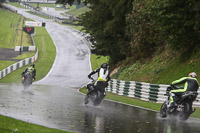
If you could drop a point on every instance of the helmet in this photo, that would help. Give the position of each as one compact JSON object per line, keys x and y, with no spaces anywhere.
{"x":104,"y":65}
{"x":32,"y":65}
{"x":192,"y":74}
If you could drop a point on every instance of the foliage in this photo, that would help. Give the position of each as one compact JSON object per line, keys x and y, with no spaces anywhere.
{"x":10,"y":125}
{"x":141,"y":29}
{"x":98,"y":61}
{"x":156,"y":23}
{"x":178,"y":21}
{"x":106,"y":24}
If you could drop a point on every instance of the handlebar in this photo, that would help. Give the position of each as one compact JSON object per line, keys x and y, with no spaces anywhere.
{"x":92,"y":79}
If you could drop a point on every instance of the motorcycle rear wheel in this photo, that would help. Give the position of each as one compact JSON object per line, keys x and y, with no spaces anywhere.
{"x":185,"y":114}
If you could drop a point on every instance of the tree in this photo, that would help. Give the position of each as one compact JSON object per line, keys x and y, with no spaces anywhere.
{"x":179,"y":22}
{"x":156,"y":23}
{"x":106,"y":23}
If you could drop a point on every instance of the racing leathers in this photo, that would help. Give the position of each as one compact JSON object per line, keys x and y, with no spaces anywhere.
{"x":102,"y":80}
{"x":190,"y":84}
{"x":31,"y":70}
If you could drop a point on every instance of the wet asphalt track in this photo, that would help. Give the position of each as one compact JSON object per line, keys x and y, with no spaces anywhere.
{"x":63,"y":108}
{"x":54,"y":101}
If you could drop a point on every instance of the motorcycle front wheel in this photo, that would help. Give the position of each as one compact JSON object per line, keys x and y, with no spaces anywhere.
{"x":163,"y":110}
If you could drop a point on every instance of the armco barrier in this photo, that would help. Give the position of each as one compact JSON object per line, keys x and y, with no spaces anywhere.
{"x":141,"y":90}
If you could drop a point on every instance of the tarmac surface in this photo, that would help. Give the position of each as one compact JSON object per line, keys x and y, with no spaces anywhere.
{"x":54,"y":101}
{"x":8,"y":54}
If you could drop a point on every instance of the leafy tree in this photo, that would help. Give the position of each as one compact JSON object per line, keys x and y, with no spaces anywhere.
{"x":106,"y":23}
{"x":156,"y":23}
{"x":145,"y":38}
{"x":179,"y":22}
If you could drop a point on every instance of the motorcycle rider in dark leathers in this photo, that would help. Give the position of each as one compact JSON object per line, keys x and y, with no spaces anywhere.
{"x":103,"y":75}
{"x":30,"y":69}
{"x":190,"y":84}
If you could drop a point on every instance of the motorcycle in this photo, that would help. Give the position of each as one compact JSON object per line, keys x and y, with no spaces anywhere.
{"x":95,"y":93}
{"x":184,"y":104}
{"x":27,"y":80}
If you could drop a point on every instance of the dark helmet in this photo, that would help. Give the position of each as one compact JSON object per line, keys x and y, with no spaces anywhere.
{"x":32,"y":65}
{"x":192,"y":74}
{"x":104,"y":65}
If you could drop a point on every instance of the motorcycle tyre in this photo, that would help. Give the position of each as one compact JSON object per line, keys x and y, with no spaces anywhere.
{"x":183,"y":116}
{"x":163,"y":110}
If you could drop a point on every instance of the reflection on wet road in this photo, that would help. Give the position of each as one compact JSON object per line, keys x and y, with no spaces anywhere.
{"x":63,"y":108}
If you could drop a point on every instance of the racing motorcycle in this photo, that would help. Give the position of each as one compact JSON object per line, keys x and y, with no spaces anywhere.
{"x":95,"y":93}
{"x":27,"y":80}
{"x":184,"y":104}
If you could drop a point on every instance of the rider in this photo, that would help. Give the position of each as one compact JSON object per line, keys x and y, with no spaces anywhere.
{"x":30,"y":69}
{"x":190,"y":84}
{"x":103,"y":75}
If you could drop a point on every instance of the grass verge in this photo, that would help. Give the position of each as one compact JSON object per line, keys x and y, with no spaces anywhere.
{"x":16,"y":4}
{"x":47,"y":53}
{"x":38,"y":15}
{"x":137,"y":102}
{"x":128,"y":100}
{"x":10,"y":125}
{"x":11,"y":37}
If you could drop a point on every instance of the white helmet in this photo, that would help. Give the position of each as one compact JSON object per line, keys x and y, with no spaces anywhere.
{"x":192,"y":74}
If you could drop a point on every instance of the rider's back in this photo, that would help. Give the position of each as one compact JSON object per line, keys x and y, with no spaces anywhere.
{"x":192,"y":84}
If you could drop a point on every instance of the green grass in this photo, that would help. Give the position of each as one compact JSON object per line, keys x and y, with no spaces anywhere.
{"x":16,"y":4}
{"x":25,"y":55}
{"x":137,"y":102}
{"x":43,"y":5}
{"x":8,"y":27}
{"x":4,"y":64}
{"x":52,"y":6}
{"x":47,"y":53}
{"x":127,"y":73}
{"x":10,"y":125}
{"x":98,"y":60}
{"x":78,"y":12}
{"x":38,"y":15}
{"x":162,"y":69}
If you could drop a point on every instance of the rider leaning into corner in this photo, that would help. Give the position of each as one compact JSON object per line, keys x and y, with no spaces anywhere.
{"x":190,"y":84}
{"x":30,"y":69}
{"x":103,"y":75}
